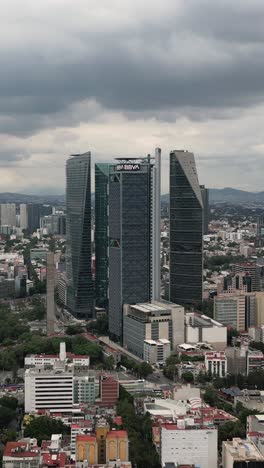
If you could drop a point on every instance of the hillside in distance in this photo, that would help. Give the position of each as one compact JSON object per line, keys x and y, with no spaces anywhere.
{"x":9,"y":197}
{"x":229,"y":195}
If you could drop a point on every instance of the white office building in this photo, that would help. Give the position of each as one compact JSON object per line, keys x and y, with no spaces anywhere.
{"x":50,"y":390}
{"x":158,"y":320}
{"x":23,"y":216}
{"x":156,"y":351}
{"x":8,"y":214}
{"x":185,"y":443}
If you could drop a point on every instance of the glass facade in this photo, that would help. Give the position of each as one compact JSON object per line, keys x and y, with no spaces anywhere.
{"x":80,"y":297}
{"x":101,"y":234}
{"x":186,"y":230}
{"x":130,"y":237}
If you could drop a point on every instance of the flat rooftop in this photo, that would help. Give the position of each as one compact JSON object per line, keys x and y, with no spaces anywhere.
{"x":242,"y":450}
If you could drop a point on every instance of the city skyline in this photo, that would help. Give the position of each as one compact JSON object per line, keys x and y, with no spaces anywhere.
{"x":167,"y":74}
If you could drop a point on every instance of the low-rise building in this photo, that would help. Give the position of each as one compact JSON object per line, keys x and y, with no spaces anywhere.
{"x":200,"y":328}
{"x":216,"y":363}
{"x":156,"y":351}
{"x":24,"y":453}
{"x":184,"y":442}
{"x":238,"y":452}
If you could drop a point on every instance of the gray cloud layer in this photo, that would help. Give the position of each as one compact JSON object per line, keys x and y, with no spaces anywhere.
{"x":169,"y":55}
{"x":65,"y":63}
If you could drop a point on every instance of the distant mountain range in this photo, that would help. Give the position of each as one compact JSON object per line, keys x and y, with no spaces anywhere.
{"x":8,"y":197}
{"x":229,"y":195}
{"x":225,"y":195}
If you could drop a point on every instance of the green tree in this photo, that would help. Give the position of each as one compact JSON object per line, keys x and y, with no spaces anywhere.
{"x":9,"y":402}
{"x":43,"y":427}
{"x":74,"y":329}
{"x":187,"y":377}
{"x":144,"y":370}
{"x":6,"y":416}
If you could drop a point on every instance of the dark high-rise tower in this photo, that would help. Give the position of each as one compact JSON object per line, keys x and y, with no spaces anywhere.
{"x":33,"y":216}
{"x":80,"y":295}
{"x":205,"y":197}
{"x":132,"y":203}
{"x":101,"y":233}
{"x":186,"y":230}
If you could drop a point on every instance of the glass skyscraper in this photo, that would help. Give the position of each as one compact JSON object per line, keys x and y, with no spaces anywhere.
{"x":186,"y":230}
{"x":80,"y":293}
{"x":131,"y":185}
{"x":101,"y":233}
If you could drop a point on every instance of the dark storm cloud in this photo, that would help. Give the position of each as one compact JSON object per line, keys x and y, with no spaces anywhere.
{"x":196,"y":54}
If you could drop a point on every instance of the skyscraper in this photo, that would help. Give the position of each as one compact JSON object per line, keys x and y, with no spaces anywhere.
{"x":50,"y":293}
{"x":80,"y":296}
{"x":33,"y":216}
{"x":102,"y":172}
{"x":132,"y":203}
{"x":8,"y":214}
{"x":186,"y":230}
{"x":205,"y":197}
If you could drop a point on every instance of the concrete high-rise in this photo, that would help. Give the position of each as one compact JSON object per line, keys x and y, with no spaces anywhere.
{"x":23,"y":216}
{"x":134,"y":264}
{"x":186,"y":230}
{"x":80,"y":295}
{"x":8,"y":214}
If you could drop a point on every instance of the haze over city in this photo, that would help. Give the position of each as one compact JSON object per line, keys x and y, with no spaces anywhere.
{"x":119,"y":78}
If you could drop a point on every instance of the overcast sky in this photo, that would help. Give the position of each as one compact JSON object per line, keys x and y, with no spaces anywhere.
{"x":119,"y":77}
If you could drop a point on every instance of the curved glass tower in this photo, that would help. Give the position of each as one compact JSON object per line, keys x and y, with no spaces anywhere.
{"x":80,"y":294}
{"x":186,"y":230}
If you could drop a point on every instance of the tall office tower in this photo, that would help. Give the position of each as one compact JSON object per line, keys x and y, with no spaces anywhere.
{"x":80,"y":295}
{"x":131,"y":236}
{"x":8,"y":214}
{"x":33,"y":213}
{"x":23,"y":216}
{"x":186,"y":230}
{"x":50,"y":293}
{"x":102,"y":172}
{"x":156,"y":226}
{"x":205,"y":197}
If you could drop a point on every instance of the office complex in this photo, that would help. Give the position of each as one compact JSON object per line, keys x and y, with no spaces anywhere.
{"x":133,"y":228}
{"x":23,"y":216}
{"x":102,"y":172}
{"x":186,"y":230}
{"x":33,"y":216}
{"x":50,"y":390}
{"x":8,"y":214}
{"x":240,"y":309}
{"x":152,"y":321}
{"x":80,"y":295}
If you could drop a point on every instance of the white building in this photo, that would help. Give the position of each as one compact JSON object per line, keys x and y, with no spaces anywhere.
{"x":152,"y":321}
{"x":50,"y":390}
{"x":156,"y":351}
{"x":240,"y":452}
{"x":216,"y":363}
{"x":42,"y":360}
{"x":8,"y":214}
{"x":23,"y":216}
{"x":184,"y":443}
{"x":204,"y":329}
